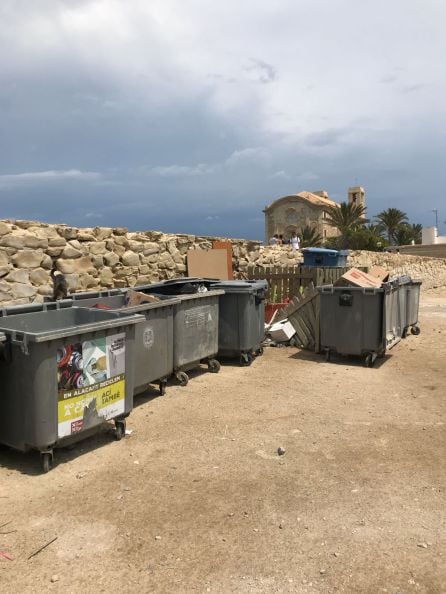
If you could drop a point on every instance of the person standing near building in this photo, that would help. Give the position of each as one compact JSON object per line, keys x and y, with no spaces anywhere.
{"x":274,"y":239}
{"x":294,"y":241}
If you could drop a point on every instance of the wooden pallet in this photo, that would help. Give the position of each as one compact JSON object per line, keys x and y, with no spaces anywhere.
{"x":303,"y":313}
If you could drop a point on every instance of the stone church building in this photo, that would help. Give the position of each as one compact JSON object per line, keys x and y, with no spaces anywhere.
{"x":296,"y":211}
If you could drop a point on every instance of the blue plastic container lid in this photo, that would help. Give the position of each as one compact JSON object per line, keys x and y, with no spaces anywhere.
{"x":326,"y":251}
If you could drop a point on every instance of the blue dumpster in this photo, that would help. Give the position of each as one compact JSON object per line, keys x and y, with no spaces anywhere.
{"x":325,"y":257}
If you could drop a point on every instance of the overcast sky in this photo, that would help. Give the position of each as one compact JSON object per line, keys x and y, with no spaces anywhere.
{"x":191,"y":116}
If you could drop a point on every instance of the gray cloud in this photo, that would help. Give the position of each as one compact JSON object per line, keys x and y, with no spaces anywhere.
{"x":111,"y":111}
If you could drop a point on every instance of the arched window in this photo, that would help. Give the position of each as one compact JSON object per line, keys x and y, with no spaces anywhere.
{"x":291,"y":216}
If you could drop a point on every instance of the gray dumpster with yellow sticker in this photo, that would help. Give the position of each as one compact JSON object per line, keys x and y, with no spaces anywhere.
{"x":64,"y":373}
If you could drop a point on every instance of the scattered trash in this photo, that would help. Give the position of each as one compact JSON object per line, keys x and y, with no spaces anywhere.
{"x":422,"y":545}
{"x":129,"y":431}
{"x":282,"y":331}
{"x":54,"y":578}
{"x":281,"y":451}
{"x":157,"y":537}
{"x":42,"y":548}
{"x":6,"y":555}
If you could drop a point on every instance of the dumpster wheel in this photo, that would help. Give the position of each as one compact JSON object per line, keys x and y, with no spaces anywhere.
{"x":182,"y":377}
{"x":214,"y":365}
{"x":259,"y":352}
{"x":162,"y":387}
{"x":47,"y":461}
{"x":415,"y":330}
{"x":119,"y":429}
{"x":370,"y":359}
{"x":246,"y":359}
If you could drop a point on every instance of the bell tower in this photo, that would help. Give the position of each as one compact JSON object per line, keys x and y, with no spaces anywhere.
{"x":356,"y":195}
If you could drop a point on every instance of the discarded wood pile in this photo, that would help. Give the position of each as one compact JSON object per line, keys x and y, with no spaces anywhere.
{"x":303,"y":313}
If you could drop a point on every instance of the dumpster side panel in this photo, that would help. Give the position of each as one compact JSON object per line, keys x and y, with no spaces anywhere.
{"x":195,"y":330}
{"x":351,"y":321}
{"x":154,"y":347}
{"x":413,"y":303}
{"x":28,"y":406}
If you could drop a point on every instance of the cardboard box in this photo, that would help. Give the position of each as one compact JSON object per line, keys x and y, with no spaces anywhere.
{"x":282,"y":331}
{"x":138,"y":298}
{"x":357,"y":278}
{"x":379,"y":272}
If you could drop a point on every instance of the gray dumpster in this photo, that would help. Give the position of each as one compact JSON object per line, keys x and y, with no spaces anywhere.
{"x":63,"y":373}
{"x":359,"y":321}
{"x":195,"y":329}
{"x":153,"y":338}
{"x":241,"y":327}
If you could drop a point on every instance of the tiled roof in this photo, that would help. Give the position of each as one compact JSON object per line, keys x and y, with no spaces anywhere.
{"x":308,"y":196}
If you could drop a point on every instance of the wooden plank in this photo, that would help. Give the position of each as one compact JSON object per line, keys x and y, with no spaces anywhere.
{"x":225,"y":245}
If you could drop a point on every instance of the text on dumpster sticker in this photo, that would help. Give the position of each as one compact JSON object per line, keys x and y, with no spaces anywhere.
{"x":198,"y":318}
{"x":91,"y":383}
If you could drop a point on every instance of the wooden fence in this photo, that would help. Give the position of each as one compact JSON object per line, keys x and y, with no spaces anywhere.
{"x":285,"y":282}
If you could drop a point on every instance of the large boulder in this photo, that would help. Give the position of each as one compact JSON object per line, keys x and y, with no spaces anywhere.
{"x":79,"y":265}
{"x":28,"y":258}
{"x":130,"y":259}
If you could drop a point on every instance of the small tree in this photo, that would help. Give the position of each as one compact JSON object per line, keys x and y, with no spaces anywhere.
{"x":310,"y":237}
{"x":390,"y":220}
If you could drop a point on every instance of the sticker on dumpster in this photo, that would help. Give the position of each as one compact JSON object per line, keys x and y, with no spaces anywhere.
{"x":148,"y":338}
{"x":91,"y":383}
{"x":198,"y":318}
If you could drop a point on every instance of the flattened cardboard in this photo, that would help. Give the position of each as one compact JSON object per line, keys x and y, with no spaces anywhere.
{"x":358,"y":278}
{"x":379,"y":272}
{"x":225,"y":245}
{"x":137,"y":298}
{"x":208,"y":264}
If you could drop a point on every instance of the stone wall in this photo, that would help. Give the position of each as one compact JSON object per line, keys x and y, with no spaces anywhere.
{"x":101,"y":258}
{"x":94,"y":258}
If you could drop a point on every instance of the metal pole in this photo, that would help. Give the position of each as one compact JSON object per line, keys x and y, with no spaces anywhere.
{"x":435,"y":210}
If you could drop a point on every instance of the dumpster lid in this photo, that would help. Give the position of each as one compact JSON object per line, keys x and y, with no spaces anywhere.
{"x":238,"y":286}
{"x":142,"y":307}
{"x":54,"y":324}
{"x":13,"y":310}
{"x":326,"y":251}
{"x":205,"y":294}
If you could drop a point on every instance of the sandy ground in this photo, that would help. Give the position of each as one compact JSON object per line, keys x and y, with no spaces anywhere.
{"x":197,"y":499}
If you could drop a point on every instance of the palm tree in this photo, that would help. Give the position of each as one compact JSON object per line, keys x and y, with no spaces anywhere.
{"x":346,"y":217}
{"x":390,"y":220}
{"x":417,"y":231}
{"x":406,"y":233}
{"x":310,"y":237}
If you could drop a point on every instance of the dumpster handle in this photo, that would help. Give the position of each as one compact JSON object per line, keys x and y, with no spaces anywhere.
{"x":23,"y":342}
{"x":327,"y":289}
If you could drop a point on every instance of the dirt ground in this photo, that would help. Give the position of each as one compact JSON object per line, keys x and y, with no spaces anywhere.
{"x":197,"y":498}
